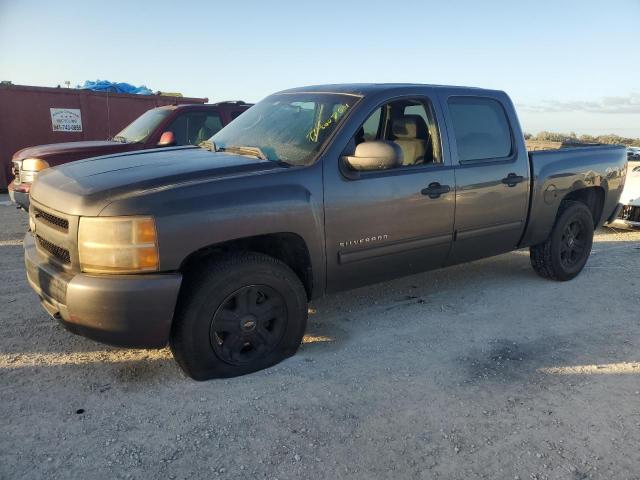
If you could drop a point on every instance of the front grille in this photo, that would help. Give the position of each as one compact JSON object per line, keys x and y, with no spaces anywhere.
{"x":630,"y":213}
{"x":51,"y":220}
{"x":62,"y":254}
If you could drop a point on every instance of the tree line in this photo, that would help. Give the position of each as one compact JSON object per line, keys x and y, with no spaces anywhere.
{"x":573,"y":138}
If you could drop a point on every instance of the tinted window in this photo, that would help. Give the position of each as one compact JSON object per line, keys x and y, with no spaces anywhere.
{"x":179,"y":129}
{"x":212,"y":125}
{"x":193,"y":128}
{"x":481,"y":128}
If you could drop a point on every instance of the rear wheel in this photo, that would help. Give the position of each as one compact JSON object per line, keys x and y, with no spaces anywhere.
{"x":564,"y":254}
{"x":238,"y":315}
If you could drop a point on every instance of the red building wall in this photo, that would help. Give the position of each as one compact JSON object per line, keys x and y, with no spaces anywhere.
{"x":25,"y":118}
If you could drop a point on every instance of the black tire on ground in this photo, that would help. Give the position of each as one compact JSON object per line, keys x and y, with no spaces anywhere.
{"x":236,"y":315}
{"x":564,"y":254}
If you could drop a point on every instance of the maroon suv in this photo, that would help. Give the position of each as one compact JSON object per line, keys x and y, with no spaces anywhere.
{"x":159,"y":127}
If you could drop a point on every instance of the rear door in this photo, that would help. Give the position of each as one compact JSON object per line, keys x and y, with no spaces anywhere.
{"x":492,"y":175}
{"x":390,"y":223}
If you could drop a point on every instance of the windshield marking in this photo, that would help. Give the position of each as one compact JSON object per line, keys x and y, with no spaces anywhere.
{"x":314,"y":133}
{"x":290,"y":129}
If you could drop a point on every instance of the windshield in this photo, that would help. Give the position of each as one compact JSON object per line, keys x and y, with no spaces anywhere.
{"x":143,"y":126}
{"x":290,"y":128}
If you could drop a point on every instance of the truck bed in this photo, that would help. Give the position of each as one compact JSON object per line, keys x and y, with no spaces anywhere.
{"x":557,"y":173}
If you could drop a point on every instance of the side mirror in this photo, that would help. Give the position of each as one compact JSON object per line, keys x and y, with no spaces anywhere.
{"x":167,"y":139}
{"x":375,"y":155}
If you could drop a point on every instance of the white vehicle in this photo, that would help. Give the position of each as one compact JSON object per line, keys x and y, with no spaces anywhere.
{"x":630,"y":213}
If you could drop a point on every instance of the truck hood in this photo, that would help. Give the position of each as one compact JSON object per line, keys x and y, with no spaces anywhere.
{"x":72,"y":150}
{"x":85,"y":187}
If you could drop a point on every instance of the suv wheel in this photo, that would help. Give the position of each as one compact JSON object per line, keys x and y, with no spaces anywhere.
{"x":564,"y":254}
{"x":238,"y":315}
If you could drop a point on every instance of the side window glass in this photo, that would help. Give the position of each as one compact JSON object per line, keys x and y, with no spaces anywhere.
{"x":212,"y":125}
{"x":236,"y":114}
{"x":411,"y":125}
{"x":371,"y":128}
{"x":202,"y":126}
{"x":480,"y":127}
{"x":416,"y":110}
{"x":179,"y":129}
{"x":421,"y":111}
{"x":196,"y":127}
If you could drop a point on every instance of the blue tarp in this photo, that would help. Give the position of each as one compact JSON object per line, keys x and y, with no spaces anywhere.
{"x":114,"y":87}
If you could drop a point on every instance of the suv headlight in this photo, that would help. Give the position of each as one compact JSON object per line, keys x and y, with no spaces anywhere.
{"x":118,"y":244}
{"x":29,"y":168}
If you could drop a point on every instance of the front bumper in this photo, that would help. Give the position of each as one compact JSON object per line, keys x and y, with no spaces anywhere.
{"x":19,"y":194}
{"x":124,"y":310}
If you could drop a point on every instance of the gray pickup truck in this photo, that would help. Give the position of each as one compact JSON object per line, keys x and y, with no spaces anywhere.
{"x":217,"y":249}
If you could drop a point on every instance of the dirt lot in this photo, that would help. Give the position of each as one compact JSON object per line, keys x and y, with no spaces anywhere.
{"x":478,"y":371}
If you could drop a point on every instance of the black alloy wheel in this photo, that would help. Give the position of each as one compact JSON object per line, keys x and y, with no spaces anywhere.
{"x":565,"y":252}
{"x":573,"y":243}
{"x":237,"y":314}
{"x":249,"y":324}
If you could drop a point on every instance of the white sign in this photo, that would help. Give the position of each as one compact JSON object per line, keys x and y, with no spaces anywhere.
{"x":66,"y":120}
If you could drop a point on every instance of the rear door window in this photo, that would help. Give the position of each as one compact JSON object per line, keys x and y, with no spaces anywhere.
{"x":481,"y":128}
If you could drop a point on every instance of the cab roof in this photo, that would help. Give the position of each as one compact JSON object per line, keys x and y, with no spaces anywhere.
{"x":362,"y":89}
{"x":228,"y":103}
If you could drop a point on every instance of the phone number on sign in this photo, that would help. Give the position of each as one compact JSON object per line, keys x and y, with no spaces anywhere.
{"x":67,"y":128}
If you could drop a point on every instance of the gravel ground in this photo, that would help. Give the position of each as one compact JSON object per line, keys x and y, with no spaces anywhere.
{"x":478,"y":371}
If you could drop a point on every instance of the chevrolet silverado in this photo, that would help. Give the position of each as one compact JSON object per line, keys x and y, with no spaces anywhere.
{"x":217,"y":249}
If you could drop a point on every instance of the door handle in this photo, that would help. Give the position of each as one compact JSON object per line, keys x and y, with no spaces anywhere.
{"x":512,"y":179}
{"x":434,"y":190}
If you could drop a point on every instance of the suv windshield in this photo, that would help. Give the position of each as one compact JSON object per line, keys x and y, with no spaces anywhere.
{"x":287,"y":127}
{"x":143,"y":126}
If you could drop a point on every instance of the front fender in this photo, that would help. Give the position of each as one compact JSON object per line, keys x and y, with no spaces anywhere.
{"x":194,"y":216}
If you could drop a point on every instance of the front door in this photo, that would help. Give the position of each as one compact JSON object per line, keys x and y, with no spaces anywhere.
{"x":390,"y":223}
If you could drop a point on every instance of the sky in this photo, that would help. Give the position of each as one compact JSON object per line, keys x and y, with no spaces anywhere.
{"x":567,"y":65}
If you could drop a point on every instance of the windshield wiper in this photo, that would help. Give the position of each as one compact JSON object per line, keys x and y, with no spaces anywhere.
{"x":208,"y":145}
{"x":242,"y":150}
{"x":252,"y":151}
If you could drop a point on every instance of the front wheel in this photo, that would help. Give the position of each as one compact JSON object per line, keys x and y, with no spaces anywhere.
{"x":238,"y":315}
{"x":564,"y":254}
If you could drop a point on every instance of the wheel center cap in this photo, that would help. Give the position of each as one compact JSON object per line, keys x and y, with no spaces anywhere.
{"x":248,"y":323}
{"x":571,"y":241}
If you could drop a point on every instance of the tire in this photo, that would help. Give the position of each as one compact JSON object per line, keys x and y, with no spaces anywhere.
{"x":564,"y":254}
{"x":237,"y":315}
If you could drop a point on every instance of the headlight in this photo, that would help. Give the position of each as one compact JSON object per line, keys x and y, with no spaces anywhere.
{"x":30,"y":168}
{"x":117,"y":244}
